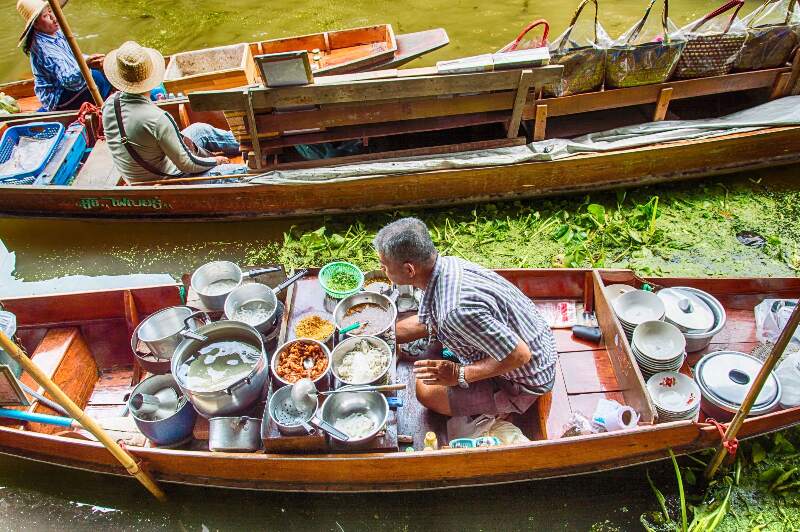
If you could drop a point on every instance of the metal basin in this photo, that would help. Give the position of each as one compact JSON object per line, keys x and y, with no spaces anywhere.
{"x":259,"y":293}
{"x":205,"y":276}
{"x":170,"y":430}
{"x":371,"y":404}
{"x":349,"y":344}
{"x":230,"y":398}
{"x":161,"y":331}
{"x":360,"y":298}
{"x":320,"y":381}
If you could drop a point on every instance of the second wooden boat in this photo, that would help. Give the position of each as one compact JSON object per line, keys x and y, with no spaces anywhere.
{"x":82,"y":340}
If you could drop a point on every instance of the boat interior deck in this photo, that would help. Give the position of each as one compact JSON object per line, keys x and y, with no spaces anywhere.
{"x":82,"y":341}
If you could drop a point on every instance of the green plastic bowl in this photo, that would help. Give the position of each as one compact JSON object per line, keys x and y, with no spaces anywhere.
{"x":329,"y":270}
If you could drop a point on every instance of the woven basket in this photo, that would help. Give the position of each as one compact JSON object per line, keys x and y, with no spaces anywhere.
{"x":643,"y":64}
{"x":330,"y":269}
{"x":770,"y":45}
{"x":584,"y":66}
{"x":711,"y":54}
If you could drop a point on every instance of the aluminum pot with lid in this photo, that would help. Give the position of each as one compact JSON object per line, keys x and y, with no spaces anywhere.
{"x":698,"y":314}
{"x":213,"y":281}
{"x":725,"y":377}
{"x":161,"y":331}
{"x":222,"y":398}
{"x":261,"y":296}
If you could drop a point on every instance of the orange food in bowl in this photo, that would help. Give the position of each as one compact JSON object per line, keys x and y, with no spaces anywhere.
{"x":290,"y":362}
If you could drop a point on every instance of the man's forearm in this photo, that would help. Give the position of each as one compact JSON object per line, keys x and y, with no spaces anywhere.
{"x":487,"y":368}
{"x":410,"y":329}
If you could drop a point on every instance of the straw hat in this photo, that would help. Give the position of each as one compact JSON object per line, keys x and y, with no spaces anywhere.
{"x":134,"y":68}
{"x":30,"y":10}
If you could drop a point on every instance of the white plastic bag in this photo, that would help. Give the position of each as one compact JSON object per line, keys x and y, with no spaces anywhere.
{"x":771,"y":318}
{"x":485,"y":425}
{"x":788,"y":374}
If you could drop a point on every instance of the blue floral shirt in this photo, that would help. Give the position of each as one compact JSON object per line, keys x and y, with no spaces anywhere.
{"x":54,"y":68}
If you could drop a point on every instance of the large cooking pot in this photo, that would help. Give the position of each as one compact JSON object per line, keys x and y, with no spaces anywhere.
{"x":725,"y":377}
{"x":169,"y":429}
{"x":361,"y":298}
{"x":204,"y":277}
{"x":226,"y":399}
{"x":262,"y":295}
{"x":161,"y":331}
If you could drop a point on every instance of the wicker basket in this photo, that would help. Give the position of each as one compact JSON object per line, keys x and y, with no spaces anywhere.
{"x":643,"y":64}
{"x":769,"y":45}
{"x":711,"y":54}
{"x":584,"y":66}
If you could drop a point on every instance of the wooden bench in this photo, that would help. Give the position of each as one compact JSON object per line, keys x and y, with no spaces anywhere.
{"x":99,"y":170}
{"x":374,"y":105}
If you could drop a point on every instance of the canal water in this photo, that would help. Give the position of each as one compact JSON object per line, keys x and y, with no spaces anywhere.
{"x":39,"y":497}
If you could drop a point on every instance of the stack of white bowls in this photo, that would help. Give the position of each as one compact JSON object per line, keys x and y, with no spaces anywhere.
{"x":636,"y":307}
{"x":658,"y":346}
{"x":676,"y":396}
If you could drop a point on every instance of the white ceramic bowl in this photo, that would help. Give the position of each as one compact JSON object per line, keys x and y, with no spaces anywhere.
{"x":659,"y":341}
{"x":638,"y":306}
{"x":674,"y":392}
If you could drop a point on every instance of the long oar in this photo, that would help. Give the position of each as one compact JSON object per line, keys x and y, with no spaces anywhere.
{"x":755,"y":389}
{"x":80,"y":416}
{"x":55,"y":6}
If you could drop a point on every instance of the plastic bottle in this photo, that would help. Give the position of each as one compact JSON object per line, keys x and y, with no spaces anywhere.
{"x":430,"y":440}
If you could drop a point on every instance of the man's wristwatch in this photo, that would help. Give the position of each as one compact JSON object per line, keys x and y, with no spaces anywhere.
{"x":462,"y":381}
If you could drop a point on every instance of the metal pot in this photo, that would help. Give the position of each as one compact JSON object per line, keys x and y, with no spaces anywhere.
{"x":229,"y":399}
{"x":365,"y":297}
{"x":725,"y":377}
{"x":169,"y":430}
{"x":221,"y":270}
{"x":279,"y":396}
{"x":161,"y":331}
{"x":697,"y":341}
{"x":319,"y":382}
{"x":372,"y":404}
{"x":350,"y":344}
{"x":234,"y":434}
{"x":256,"y":292}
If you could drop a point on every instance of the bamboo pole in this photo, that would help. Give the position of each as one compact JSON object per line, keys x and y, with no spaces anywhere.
{"x":80,"y":416}
{"x":55,"y":6}
{"x":755,"y":389}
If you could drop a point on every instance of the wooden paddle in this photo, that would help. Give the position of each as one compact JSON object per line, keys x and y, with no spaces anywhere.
{"x":80,"y":416}
{"x":55,"y":6}
{"x":755,"y":389}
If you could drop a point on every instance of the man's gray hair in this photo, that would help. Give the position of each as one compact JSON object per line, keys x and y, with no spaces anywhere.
{"x":405,"y":240}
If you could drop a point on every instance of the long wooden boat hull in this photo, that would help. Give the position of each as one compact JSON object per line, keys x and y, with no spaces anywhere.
{"x":634,"y":167}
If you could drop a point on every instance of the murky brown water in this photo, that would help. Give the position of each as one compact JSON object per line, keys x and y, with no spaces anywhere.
{"x":40,"y":497}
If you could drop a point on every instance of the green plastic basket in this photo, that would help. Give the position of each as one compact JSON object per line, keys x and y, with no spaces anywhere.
{"x":329,"y":270}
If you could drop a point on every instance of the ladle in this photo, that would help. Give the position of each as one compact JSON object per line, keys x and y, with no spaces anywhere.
{"x":162,"y":404}
{"x":304,"y":397}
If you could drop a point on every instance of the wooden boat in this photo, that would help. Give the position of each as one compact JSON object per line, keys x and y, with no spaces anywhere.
{"x":82,"y":341}
{"x":349,"y":50}
{"x":410,"y":112}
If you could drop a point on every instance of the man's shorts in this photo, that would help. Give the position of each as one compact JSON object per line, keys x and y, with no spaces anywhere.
{"x":491,"y":396}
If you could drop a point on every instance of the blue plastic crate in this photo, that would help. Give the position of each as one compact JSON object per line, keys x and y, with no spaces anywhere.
{"x":37,"y":130}
{"x":64,"y":163}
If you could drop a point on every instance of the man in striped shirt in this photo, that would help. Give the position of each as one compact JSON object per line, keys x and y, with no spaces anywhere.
{"x":506,"y":350}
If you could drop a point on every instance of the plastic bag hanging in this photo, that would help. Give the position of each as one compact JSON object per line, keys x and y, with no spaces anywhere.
{"x":630,"y":65}
{"x":772,"y":34}
{"x":583,"y":57}
{"x":713,"y":43}
{"x":527,"y":42}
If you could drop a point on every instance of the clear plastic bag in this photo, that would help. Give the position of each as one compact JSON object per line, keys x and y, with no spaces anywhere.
{"x":772,"y":33}
{"x":644,"y":55}
{"x":713,"y":43}
{"x":771,"y":317}
{"x":581,"y":49}
{"x":580,"y":425}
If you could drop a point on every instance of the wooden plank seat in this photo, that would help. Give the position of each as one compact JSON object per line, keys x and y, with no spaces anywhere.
{"x":99,"y":170}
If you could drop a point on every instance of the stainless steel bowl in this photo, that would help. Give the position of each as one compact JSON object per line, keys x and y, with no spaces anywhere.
{"x":161,"y":331}
{"x":699,"y":341}
{"x":249,"y":293}
{"x":371,"y":404}
{"x":211,"y":272}
{"x":360,"y":298}
{"x":278,"y":397}
{"x":276,"y":358}
{"x":350,"y":344}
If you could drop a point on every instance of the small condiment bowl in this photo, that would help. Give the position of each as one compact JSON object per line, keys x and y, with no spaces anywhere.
{"x":349,"y":344}
{"x":638,"y":306}
{"x":324,"y":315}
{"x":285,"y":347}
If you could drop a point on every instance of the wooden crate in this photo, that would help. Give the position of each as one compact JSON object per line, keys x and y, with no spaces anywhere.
{"x":223,"y":67}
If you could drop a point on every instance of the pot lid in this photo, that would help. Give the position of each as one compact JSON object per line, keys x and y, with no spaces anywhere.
{"x":727,"y":376}
{"x":686,"y":310}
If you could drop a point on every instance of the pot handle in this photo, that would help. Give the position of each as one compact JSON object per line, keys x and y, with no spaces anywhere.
{"x":235,"y":385}
{"x":291,"y":280}
{"x":330,"y":429}
{"x":308,"y":428}
{"x":187,"y":333}
{"x":261,"y":271}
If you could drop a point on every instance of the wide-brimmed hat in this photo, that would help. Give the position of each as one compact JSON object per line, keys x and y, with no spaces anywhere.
{"x":134,"y":68}
{"x":30,"y":10}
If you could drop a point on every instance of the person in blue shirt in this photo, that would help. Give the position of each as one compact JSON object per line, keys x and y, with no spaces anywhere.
{"x":58,"y":81}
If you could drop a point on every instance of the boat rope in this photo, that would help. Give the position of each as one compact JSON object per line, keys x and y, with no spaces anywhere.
{"x":84,"y":117}
{"x":730,"y":445}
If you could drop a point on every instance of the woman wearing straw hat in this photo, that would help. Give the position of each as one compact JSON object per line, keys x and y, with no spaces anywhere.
{"x":144,"y":140}
{"x":58,"y":81}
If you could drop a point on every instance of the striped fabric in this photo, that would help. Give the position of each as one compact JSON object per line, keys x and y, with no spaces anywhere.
{"x":54,"y":69}
{"x":477,"y":314}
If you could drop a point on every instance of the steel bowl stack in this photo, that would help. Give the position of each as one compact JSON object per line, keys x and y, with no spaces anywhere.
{"x":658,"y":346}
{"x":675,"y":396}
{"x":636,"y":307}
{"x":697,"y":314}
